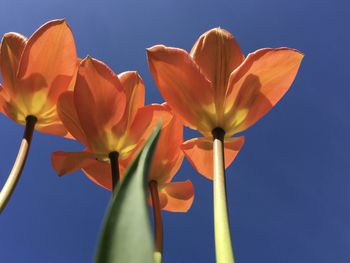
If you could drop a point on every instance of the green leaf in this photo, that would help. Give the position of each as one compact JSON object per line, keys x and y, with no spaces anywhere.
{"x":126,"y":235}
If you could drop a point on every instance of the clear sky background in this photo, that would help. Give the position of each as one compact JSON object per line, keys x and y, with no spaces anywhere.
{"x":288,"y":189}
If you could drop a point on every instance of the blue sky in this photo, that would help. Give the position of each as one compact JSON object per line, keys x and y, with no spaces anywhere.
{"x":288,"y":189}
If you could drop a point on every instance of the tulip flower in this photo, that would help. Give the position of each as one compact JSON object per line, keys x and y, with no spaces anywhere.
{"x":102,"y":114}
{"x":35,"y":72}
{"x":167,"y":159}
{"x":106,"y":113}
{"x":220,"y":92}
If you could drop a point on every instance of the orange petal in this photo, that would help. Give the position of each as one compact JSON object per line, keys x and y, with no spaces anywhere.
{"x":12,"y":46}
{"x":2,"y":99}
{"x":258,"y":84}
{"x":50,"y":53}
{"x":183,"y":86}
{"x":68,"y":162}
{"x":199,"y":152}
{"x":135,"y":97}
{"x":100,"y":172}
{"x":99,"y":99}
{"x":217,"y":54}
{"x":153,"y":114}
{"x":146,"y":120}
{"x":7,"y":108}
{"x":168,"y":155}
{"x":54,"y":128}
{"x":74,"y":78}
{"x":179,"y":195}
{"x":163,"y":200}
{"x":68,"y":115}
{"x":143,"y":125}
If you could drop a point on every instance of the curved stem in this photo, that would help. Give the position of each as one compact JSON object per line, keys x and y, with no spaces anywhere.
{"x":157,"y":215}
{"x":17,"y":168}
{"x":223,"y":244}
{"x":113,"y":157}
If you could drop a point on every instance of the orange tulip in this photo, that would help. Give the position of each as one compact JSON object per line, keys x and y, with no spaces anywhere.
{"x":215,"y":86}
{"x":166,"y":160}
{"x":164,"y":194}
{"x":219,"y":92}
{"x":35,"y":72}
{"x":126,"y":137}
{"x":101,"y":113}
{"x":106,"y":113}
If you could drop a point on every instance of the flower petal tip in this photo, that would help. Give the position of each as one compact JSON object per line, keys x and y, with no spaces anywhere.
{"x":88,"y":58}
{"x":218,"y":30}
{"x":152,"y":51}
{"x":131,"y":74}
{"x":11,"y":35}
{"x":55,"y":22}
{"x":241,"y":140}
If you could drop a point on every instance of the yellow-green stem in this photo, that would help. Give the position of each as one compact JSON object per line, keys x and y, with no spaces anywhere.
{"x":17,"y":168}
{"x":223,"y":244}
{"x":157,"y":257}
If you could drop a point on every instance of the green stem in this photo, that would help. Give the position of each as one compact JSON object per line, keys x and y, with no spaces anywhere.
{"x":113,"y":157}
{"x":158,"y":222}
{"x":223,"y":244}
{"x":17,"y":168}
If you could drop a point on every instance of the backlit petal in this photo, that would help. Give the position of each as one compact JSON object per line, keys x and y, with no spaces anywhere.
{"x":217,"y":54}
{"x":179,"y":195}
{"x":68,"y":115}
{"x":100,"y":172}
{"x":183,"y":86}
{"x":68,"y":162}
{"x":163,"y":200}
{"x":258,"y":84}
{"x":12,"y":46}
{"x":2,"y":99}
{"x":145,"y":122}
{"x":168,"y":155}
{"x":74,"y":78}
{"x":199,"y":152}
{"x":100,"y":101}
{"x":49,"y":59}
{"x":54,"y":128}
{"x":135,"y":97}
